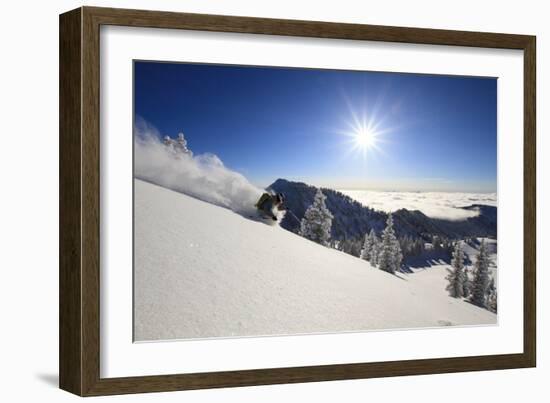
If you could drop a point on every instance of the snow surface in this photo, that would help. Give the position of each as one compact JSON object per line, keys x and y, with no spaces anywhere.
{"x":204,"y":271}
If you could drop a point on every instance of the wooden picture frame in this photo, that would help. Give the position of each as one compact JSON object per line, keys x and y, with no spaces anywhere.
{"x":79,"y":347}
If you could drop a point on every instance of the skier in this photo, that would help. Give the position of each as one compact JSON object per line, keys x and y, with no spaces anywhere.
{"x":269,"y":204}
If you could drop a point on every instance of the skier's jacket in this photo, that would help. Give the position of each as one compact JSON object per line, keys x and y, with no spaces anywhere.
{"x":265,"y":202}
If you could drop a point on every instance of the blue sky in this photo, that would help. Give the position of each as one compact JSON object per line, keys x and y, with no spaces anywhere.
{"x":432,"y":133}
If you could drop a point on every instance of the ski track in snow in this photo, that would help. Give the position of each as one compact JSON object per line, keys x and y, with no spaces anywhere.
{"x":203,"y":271}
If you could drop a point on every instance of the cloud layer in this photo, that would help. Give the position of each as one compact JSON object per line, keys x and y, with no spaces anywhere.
{"x":433,"y":204}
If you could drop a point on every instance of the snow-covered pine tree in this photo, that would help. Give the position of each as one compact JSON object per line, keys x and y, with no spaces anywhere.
{"x":352,"y":246}
{"x":419,"y":247}
{"x":345,"y":246}
{"x":387,"y":252}
{"x":177,"y":146}
{"x":481,"y":277}
{"x":369,"y":246}
{"x":181,"y":145}
{"x":457,"y":276}
{"x":375,"y":249}
{"x":406,"y":244}
{"x":397,"y":255}
{"x":468,"y":284}
{"x":167,"y":141}
{"x":436,"y":242}
{"x":317,"y":221}
{"x":356,"y":246}
{"x":492,"y":296}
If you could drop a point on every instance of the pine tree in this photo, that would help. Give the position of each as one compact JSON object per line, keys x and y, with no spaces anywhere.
{"x":436,"y":243}
{"x":368,"y":246}
{"x":375,"y":249}
{"x":167,"y":141}
{"x":481,"y":276}
{"x":389,"y":248}
{"x":468,"y":284}
{"x":356,"y":247}
{"x":352,"y":247}
{"x":492,"y":296}
{"x":181,"y":145}
{"x":419,"y":247}
{"x":457,"y":276}
{"x":178,"y":146}
{"x":317,"y":221}
{"x":407,"y":246}
{"x":397,"y":255}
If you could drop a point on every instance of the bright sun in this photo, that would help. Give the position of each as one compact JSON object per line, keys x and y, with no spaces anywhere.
{"x":365,"y":135}
{"x":364,"y":138}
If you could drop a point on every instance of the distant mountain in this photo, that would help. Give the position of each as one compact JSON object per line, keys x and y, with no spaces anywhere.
{"x":354,"y":220}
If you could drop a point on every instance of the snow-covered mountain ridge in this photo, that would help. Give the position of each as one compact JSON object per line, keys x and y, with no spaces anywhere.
{"x":353,"y":219}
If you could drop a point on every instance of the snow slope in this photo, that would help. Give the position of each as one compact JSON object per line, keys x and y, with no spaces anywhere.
{"x":204,"y":271}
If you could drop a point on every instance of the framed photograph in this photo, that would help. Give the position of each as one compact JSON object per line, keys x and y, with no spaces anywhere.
{"x":249,"y":201}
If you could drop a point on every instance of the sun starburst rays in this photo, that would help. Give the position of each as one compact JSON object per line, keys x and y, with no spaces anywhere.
{"x":363,"y":136}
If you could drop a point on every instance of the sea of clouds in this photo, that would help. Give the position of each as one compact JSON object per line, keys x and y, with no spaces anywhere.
{"x":202,"y":176}
{"x":445,"y":205}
